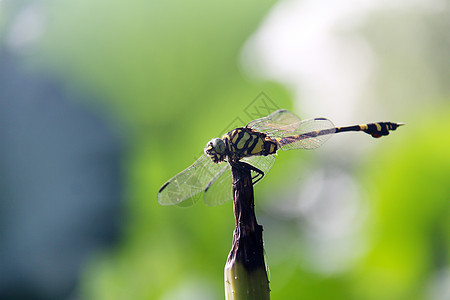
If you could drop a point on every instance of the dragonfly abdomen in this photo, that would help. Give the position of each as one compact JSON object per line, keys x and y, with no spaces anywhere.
{"x":287,"y":140}
{"x":313,"y":139}
{"x":376,"y":130}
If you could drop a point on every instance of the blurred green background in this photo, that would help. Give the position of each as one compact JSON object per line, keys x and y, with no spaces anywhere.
{"x":356,"y":219}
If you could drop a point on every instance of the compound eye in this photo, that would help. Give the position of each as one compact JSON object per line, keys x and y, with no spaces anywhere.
{"x":218,"y":145}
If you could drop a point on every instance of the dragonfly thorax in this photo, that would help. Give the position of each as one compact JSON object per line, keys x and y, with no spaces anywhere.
{"x":239,"y":143}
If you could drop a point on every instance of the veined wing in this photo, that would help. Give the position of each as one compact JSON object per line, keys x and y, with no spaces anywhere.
{"x":292,"y":133}
{"x":264,"y":163}
{"x":220,"y":189}
{"x":309,"y":134}
{"x":187,"y":186}
{"x":278,"y":122}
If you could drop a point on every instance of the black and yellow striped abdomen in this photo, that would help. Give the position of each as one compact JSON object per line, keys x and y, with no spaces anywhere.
{"x":376,"y":130}
{"x":313,"y":139}
{"x":244,"y":142}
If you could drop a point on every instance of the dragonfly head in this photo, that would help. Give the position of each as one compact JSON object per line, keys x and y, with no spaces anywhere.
{"x":216,"y":150}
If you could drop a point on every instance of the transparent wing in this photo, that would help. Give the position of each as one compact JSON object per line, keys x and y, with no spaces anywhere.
{"x":308,"y":134}
{"x":277,"y":123}
{"x":264,"y":163}
{"x":187,"y":186}
{"x":221,"y":189}
{"x":292,"y":133}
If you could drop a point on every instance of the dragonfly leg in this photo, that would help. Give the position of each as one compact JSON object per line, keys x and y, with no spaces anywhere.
{"x":244,"y":165}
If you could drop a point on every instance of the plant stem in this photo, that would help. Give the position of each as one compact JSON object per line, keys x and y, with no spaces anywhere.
{"x":245,"y":270}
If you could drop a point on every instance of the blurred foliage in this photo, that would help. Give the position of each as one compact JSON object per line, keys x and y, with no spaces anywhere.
{"x":410,"y":228}
{"x":414,"y":68}
{"x":169,"y":75}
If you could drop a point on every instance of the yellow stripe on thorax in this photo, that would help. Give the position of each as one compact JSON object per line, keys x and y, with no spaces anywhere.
{"x":259,"y":147}
{"x":272,"y":148}
{"x":243,"y":140}
{"x":235,"y":137}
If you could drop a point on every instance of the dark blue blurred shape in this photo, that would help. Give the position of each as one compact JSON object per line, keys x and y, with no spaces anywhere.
{"x":60,"y":185}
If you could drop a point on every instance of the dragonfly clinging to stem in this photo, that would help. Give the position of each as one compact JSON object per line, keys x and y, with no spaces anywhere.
{"x":255,"y":145}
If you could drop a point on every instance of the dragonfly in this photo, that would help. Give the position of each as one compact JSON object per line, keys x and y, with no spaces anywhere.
{"x":255,"y":145}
